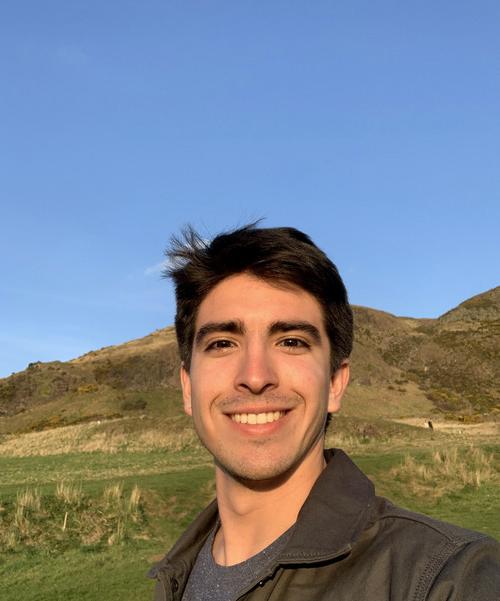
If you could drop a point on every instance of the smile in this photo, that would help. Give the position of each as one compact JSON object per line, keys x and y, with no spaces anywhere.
{"x":257,"y":418}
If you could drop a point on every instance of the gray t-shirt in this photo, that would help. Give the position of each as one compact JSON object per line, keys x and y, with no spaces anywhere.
{"x":209,"y":581}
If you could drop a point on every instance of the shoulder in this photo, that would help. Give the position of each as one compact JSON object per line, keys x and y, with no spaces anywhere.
{"x":425,"y":527}
{"x":453,"y":563}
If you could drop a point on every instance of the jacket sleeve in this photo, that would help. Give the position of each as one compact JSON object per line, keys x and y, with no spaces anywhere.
{"x":472,"y":574}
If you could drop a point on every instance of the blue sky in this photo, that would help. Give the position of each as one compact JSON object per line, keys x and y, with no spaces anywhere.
{"x":372,"y":126}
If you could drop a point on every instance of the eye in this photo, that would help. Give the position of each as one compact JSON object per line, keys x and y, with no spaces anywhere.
{"x":293,"y":343}
{"x":219,"y":345}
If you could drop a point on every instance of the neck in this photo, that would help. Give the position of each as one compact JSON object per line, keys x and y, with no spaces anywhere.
{"x":252,"y":517}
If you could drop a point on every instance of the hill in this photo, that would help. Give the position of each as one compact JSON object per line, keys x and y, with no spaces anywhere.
{"x":401,"y":367}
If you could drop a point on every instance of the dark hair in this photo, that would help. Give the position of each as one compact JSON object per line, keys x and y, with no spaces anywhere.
{"x":279,"y":255}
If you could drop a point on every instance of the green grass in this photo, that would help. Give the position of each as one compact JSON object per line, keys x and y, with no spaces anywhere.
{"x":474,"y":508}
{"x":172,"y":500}
{"x":91,"y":468}
{"x":115,"y":573}
{"x":174,"y":491}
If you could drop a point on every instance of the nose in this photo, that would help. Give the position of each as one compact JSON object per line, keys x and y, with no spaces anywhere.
{"x":256,"y":373}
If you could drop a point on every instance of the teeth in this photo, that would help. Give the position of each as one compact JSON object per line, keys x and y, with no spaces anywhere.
{"x":257,"y":418}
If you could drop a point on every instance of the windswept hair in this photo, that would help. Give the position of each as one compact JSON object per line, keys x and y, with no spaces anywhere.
{"x":283,"y":256}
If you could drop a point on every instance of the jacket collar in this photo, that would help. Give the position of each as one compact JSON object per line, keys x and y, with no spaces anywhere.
{"x":331,"y":520}
{"x":334,"y":514}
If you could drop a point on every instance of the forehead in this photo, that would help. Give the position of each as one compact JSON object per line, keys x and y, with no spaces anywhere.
{"x":248,"y":299}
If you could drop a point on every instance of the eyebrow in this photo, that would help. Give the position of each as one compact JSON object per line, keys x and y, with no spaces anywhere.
{"x":237,"y":327}
{"x":279,"y":327}
{"x":213,"y":327}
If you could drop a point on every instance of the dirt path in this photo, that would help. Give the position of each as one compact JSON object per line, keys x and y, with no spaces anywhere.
{"x":479,"y":430}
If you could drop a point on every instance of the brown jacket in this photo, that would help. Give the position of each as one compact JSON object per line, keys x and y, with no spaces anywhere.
{"x":349,"y":545}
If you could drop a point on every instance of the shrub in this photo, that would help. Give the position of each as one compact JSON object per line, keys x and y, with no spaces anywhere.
{"x":134,"y":405}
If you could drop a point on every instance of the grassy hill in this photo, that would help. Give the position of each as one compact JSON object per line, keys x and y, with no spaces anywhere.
{"x":101,"y":470}
{"x":401,"y":367}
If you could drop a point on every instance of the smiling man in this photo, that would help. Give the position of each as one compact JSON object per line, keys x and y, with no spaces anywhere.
{"x":265,"y":331}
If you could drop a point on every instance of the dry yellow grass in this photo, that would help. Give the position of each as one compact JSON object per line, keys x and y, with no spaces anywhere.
{"x":29,"y":499}
{"x":28,"y":502}
{"x":114,"y":436}
{"x":136,"y":435}
{"x":88,"y":438}
{"x":35,"y":521}
{"x":116,"y":536}
{"x":133,"y":503}
{"x":113,"y":494}
{"x":447,"y":470}
{"x":71,"y":494}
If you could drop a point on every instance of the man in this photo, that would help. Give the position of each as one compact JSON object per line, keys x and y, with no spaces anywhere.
{"x":265,"y":331}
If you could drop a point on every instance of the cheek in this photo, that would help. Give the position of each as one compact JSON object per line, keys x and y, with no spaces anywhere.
{"x":207,"y":383}
{"x":214,"y":373}
{"x":309,"y":378}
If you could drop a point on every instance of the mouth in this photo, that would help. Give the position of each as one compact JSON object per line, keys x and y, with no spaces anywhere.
{"x":257,"y":418}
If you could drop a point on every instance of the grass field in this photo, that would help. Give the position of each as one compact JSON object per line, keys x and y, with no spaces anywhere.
{"x":88,"y":525}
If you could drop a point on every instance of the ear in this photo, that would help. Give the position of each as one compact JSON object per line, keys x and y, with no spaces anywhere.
{"x":338,"y":384}
{"x":186,"y":390}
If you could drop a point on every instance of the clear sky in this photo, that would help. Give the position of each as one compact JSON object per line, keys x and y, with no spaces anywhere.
{"x":372,"y":126}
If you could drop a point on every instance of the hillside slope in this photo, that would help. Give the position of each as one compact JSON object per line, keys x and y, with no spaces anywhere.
{"x":400,"y":367}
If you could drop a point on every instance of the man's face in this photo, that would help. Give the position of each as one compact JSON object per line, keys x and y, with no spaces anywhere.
{"x":259,"y":387}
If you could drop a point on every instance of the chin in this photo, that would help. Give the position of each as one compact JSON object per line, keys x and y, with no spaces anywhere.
{"x":266,"y":472}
